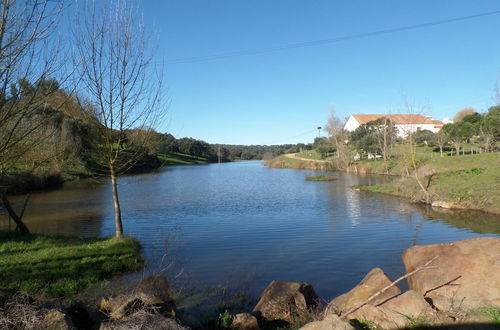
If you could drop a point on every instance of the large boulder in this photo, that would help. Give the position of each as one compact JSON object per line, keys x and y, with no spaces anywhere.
{"x":376,"y":317}
{"x":410,"y":304}
{"x":405,"y":310}
{"x":373,"y":282}
{"x":464,"y":275}
{"x":286,"y":300}
{"x":330,"y":322}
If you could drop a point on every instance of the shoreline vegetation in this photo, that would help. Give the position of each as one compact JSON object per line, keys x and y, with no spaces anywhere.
{"x":61,"y":266}
{"x":321,"y":178}
{"x":466,"y":182}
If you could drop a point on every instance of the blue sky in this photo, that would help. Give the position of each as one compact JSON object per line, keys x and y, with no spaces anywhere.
{"x":280,"y":97}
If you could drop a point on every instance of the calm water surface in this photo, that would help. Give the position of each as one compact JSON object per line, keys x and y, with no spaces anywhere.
{"x":246,"y":224}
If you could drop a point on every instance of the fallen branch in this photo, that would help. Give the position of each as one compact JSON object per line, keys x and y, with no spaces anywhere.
{"x":378,"y":293}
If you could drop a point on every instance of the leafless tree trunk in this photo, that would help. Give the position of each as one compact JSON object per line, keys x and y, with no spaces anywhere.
{"x":410,"y":153}
{"x":442,"y":140}
{"x":120,"y":82}
{"x":339,"y":136}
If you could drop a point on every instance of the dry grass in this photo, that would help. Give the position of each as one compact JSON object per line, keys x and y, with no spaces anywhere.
{"x":20,"y":312}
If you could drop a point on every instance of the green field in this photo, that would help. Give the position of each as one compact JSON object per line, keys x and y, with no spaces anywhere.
{"x":177,"y":158}
{"x":310,"y":154}
{"x":62,"y":266}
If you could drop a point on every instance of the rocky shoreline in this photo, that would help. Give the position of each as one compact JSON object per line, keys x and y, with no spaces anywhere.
{"x":451,"y":285}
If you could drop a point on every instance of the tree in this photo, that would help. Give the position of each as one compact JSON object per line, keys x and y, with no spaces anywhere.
{"x":462,"y":113}
{"x":376,"y":136}
{"x":489,"y":127}
{"x":339,"y":136}
{"x":459,"y":132}
{"x":120,"y":81}
{"x":27,"y":53}
{"x":441,"y":139}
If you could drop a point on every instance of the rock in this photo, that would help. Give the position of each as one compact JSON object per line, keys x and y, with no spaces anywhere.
{"x":159,"y":287}
{"x":245,"y":321}
{"x":373,"y":282}
{"x":330,"y":322}
{"x":56,"y":320}
{"x":371,"y":315}
{"x":464,"y":276}
{"x":285,"y":300}
{"x":446,"y":205}
{"x":409,"y":309}
{"x":142,"y":320}
{"x":124,"y":305}
{"x":410,"y":304}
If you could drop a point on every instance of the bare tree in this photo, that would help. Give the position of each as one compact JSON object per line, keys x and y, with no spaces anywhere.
{"x":339,"y":136}
{"x":28,"y":58}
{"x":462,"y":113}
{"x":409,"y":152}
{"x":120,"y":82}
{"x":385,"y":135}
{"x":442,"y":139}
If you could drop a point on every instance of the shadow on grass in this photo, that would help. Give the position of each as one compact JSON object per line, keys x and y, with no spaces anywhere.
{"x":61,"y":266}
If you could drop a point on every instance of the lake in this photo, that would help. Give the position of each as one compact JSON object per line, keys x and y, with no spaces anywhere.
{"x":245,"y":224}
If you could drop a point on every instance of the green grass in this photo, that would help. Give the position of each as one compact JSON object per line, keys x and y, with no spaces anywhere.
{"x":470,"y":181}
{"x":62,"y":266}
{"x":310,"y":154}
{"x":493,"y":313}
{"x":177,"y":158}
{"x":321,"y":178}
{"x":288,"y":162}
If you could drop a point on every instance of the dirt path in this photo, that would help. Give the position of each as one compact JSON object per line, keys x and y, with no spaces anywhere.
{"x":294,"y":156}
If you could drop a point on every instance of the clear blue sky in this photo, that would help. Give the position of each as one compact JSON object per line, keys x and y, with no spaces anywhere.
{"x":271,"y":97}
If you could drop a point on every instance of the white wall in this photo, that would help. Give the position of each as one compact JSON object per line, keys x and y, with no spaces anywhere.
{"x":405,"y":129}
{"x":351,"y":124}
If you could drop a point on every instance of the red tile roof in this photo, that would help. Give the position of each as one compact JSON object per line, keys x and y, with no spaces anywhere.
{"x":398,"y":119}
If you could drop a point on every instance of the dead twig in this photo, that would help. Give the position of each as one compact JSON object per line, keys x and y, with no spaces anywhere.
{"x":378,"y":293}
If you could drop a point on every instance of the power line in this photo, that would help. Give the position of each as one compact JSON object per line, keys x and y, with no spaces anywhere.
{"x":326,"y":41}
{"x":291,"y":137}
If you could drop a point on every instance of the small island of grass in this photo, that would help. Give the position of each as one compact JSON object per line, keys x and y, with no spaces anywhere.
{"x":321,"y":178}
{"x":61,"y":266}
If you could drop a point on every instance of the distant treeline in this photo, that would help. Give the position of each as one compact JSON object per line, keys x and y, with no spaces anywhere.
{"x":167,"y":143}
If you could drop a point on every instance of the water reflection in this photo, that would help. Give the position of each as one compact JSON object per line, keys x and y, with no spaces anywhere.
{"x":218,"y":221}
{"x":77,"y":211}
{"x":479,"y":222}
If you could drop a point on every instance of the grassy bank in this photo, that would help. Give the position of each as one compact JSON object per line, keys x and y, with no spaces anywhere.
{"x":466,"y":181}
{"x":177,"y":158}
{"x":61,"y":266}
{"x":469,"y":182}
{"x":284,"y":161}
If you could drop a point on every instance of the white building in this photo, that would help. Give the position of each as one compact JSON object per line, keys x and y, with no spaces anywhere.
{"x":404,"y":123}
